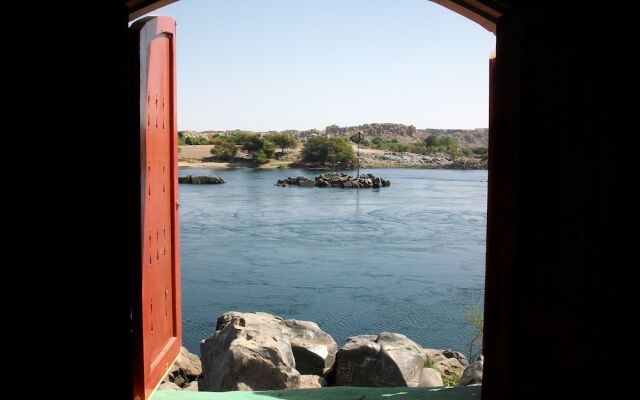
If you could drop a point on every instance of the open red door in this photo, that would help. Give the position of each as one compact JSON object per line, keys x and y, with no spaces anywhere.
{"x":156,"y":321}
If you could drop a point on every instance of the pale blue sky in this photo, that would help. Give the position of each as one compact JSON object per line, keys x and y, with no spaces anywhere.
{"x":301,"y":64}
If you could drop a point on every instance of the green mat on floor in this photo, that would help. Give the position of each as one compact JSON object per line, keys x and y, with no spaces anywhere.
{"x":331,"y":393}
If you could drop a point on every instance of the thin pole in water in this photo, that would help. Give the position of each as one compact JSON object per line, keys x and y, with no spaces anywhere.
{"x":359,"y":140}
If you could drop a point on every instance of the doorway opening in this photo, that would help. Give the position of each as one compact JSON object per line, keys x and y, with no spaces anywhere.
{"x":249,"y":229}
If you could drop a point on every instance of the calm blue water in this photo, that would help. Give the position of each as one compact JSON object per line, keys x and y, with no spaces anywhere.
{"x":403,"y":259}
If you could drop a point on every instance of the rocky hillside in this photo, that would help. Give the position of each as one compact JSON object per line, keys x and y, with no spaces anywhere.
{"x":478,"y":137}
{"x":404,"y":134}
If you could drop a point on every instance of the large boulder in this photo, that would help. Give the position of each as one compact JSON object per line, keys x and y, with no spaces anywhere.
{"x":389,"y":359}
{"x":248,"y":351}
{"x":313,"y":349}
{"x":473,"y":374}
{"x":431,"y":378}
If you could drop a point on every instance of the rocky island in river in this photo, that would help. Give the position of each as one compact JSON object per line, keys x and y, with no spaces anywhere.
{"x":336,"y":179}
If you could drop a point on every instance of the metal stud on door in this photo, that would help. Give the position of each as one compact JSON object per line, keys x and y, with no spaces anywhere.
{"x":156,"y":320}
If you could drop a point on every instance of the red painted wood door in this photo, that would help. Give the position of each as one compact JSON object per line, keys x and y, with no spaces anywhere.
{"x":156,"y":312}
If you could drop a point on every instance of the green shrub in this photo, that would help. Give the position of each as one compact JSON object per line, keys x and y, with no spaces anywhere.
{"x":444,"y":144}
{"x":260,"y":157}
{"x":480,"y":151}
{"x":283,"y":141}
{"x":241,"y":137}
{"x":196,"y":140}
{"x":332,"y":150}
{"x":417,"y":148}
{"x":474,"y":315}
{"x":428,"y":363}
{"x":260,"y":148}
{"x":224,"y":149}
{"x":358,"y":138}
{"x":466,"y":151}
{"x":450,"y":379}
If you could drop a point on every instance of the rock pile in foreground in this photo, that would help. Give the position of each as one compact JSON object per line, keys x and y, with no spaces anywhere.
{"x":212,"y":180}
{"x":336,"y":179}
{"x":260,"y":351}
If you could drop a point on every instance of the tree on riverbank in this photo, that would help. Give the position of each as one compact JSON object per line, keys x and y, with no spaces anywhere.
{"x":224,"y":149}
{"x":283,"y":141}
{"x":332,"y":150}
{"x":260,"y":148}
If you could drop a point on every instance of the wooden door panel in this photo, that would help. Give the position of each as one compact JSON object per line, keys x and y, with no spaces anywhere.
{"x":156,"y":314}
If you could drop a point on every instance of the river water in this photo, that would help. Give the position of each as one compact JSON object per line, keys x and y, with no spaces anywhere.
{"x":407,"y":258}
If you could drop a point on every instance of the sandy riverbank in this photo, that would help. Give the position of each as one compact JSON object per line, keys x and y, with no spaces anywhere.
{"x":199,"y":156}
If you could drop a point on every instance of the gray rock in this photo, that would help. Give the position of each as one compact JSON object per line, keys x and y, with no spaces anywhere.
{"x":389,"y":359}
{"x":311,"y":382}
{"x":168,"y":386}
{"x":313,"y":349}
{"x":200,"y":179}
{"x":473,"y":374}
{"x":185,"y":369}
{"x":192,"y":387}
{"x":248,"y":351}
{"x":457,"y":355}
{"x":450,"y":368}
{"x":189,"y":363}
{"x":431,"y":378}
{"x":306,"y":183}
{"x":335,"y":179}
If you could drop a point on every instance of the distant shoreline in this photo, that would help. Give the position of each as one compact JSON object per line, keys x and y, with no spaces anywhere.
{"x":199,"y":156}
{"x":219,"y":165}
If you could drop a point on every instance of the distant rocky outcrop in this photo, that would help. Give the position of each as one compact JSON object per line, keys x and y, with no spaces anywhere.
{"x":214,"y":180}
{"x":396,"y":159}
{"x":403,"y":133}
{"x":336,"y":179}
{"x":406,"y":134}
{"x":478,"y":137}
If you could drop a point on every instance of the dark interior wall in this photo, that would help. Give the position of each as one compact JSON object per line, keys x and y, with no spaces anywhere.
{"x":561,"y":122}
{"x":68,"y":223}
